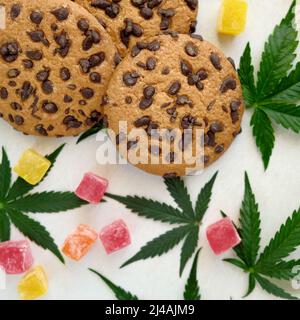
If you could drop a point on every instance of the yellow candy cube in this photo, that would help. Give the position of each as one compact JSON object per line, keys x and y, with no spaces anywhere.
{"x":233,"y":17}
{"x":32,"y":167}
{"x":34,"y":284}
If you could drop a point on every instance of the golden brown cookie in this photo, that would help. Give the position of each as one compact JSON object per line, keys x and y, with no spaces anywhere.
{"x":175,"y":82}
{"x":56,"y":61}
{"x":127,"y":21}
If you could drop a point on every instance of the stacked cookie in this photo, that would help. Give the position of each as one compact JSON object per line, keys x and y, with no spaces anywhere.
{"x":61,"y":72}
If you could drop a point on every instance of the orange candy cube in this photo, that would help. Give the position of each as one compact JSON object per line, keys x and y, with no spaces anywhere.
{"x":80,"y":242}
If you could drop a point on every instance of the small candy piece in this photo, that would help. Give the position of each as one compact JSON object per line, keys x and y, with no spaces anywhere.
{"x":79,"y":243}
{"x":115,"y":236}
{"x":15,"y":256}
{"x":233,"y":17}
{"x":34,"y":284}
{"x":32,"y":167}
{"x":92,"y":188}
{"x":222,"y":236}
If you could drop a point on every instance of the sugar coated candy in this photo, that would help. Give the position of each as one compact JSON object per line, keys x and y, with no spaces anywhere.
{"x":92,"y":188}
{"x":222,"y":236}
{"x":79,"y":243}
{"x":115,"y":236}
{"x":233,"y":17}
{"x":15,"y":256}
{"x":32,"y":167}
{"x":34,"y":284}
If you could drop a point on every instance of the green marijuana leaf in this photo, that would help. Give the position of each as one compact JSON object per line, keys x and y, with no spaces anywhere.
{"x":92,"y":131}
{"x":16,"y":202}
{"x":120,"y":293}
{"x":192,"y":290}
{"x":270,"y":262}
{"x":185,"y":215}
{"x":277,"y":91}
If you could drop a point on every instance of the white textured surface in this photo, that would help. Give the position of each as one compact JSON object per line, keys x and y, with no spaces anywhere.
{"x":277,"y":192}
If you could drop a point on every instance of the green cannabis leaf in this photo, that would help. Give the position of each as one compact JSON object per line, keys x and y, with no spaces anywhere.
{"x":270,"y":263}
{"x":16,"y":202}
{"x":185,"y":215}
{"x":275,"y":95}
{"x":92,"y":131}
{"x":192,"y":290}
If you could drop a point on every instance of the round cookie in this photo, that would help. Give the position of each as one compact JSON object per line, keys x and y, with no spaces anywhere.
{"x":56,"y":62}
{"x":175,"y":82}
{"x":128,"y":20}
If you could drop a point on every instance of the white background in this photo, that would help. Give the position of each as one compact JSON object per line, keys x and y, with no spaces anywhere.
{"x":277,"y":192}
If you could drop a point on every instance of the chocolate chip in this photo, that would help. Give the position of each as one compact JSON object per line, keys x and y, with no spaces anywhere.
{"x":64,"y":43}
{"x":191,"y":49}
{"x":13,"y":73}
{"x":16,"y":106}
{"x":72,"y":122}
{"x":192,"y":79}
{"x":144,"y":121}
{"x":120,"y":137}
{"x":210,"y":139}
{"x":174,"y":88}
{"x":49,"y":107}
{"x":36,"y":17}
{"x":43,"y":75}
{"x":183,"y":99}
{"x":165,"y":71}
{"x":68,"y":98}
{"x":83,"y":25}
{"x":151,"y":63}
{"x":149,"y":92}
{"x":12,"y":83}
{"x":216,"y":61}
{"x":19,"y":120}
{"x":210,"y":105}
{"x":234,"y":105}
{"x":170,"y":158}
{"x":228,"y":84}
{"x":219,"y":149}
{"x":117,"y":59}
{"x":65,"y":74}
{"x":216,"y":127}
{"x":202,"y":74}
{"x":28,"y":64}
{"x":72,"y":86}
{"x":26,"y":90}
{"x":41,"y":130}
{"x":87,"y":93}
{"x":145,"y":103}
{"x":234,"y":116}
{"x":130,"y":78}
{"x":82,"y":103}
{"x":34,"y":55}
{"x":152,"y":129}
{"x":95,"y":77}
{"x":10,"y":51}
{"x":38,"y":36}
{"x":186,"y":68}
{"x":54,"y":27}
{"x":146,"y":13}
{"x":192,"y":4}
{"x":193,"y":26}
{"x":131,"y":145}
{"x":199,"y":85}
{"x":3,"y":93}
{"x":15,"y":11}
{"x":197,"y":37}
{"x":47,"y":87}
{"x":128,"y":100}
{"x":171,"y":175}
{"x":232,"y":62}
{"x":154,"y":45}
{"x":61,"y":13}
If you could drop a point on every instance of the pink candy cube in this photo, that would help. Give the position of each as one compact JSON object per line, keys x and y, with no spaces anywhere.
{"x":92,"y":188}
{"x":222,"y":236}
{"x":115,"y":236}
{"x":15,"y":256}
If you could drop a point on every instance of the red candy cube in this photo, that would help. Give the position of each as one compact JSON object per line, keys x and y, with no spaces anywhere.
{"x":92,"y":188}
{"x":222,"y":236}
{"x":115,"y":236}
{"x":80,"y":242}
{"x":15,"y":256}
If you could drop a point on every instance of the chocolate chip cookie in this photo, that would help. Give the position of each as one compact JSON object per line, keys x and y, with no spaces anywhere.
{"x":175,"y":82}
{"x":56,"y":61}
{"x":127,"y":21}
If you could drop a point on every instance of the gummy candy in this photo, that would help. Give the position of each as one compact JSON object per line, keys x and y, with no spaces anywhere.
{"x":92,"y":188}
{"x":34,"y":284}
{"x":32,"y":167}
{"x":15,"y":256}
{"x":79,"y":243}
{"x":222,"y":236}
{"x":115,"y":236}
{"x":233,"y":17}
